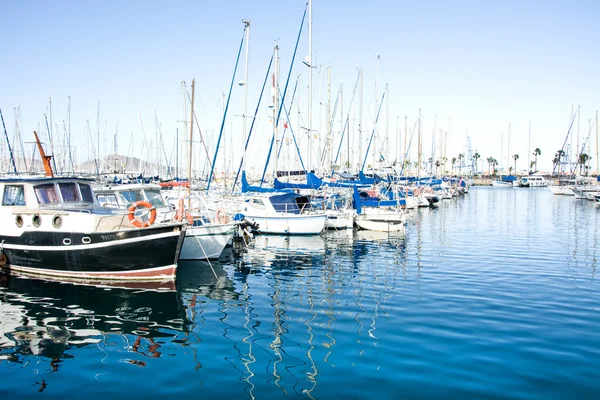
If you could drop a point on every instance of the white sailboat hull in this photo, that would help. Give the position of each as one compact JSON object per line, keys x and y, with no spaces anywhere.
{"x":206,"y":241}
{"x":380,"y":226}
{"x":292,"y":224}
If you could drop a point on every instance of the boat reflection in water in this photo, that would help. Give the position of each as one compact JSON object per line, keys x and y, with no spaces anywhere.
{"x":269,"y":250}
{"x":204,"y":278}
{"x":49,"y":319}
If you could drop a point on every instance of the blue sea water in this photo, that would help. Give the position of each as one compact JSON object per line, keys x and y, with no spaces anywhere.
{"x":492,"y":295}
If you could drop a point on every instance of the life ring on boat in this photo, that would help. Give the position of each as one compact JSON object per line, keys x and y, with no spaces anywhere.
{"x":181,"y":213}
{"x":222,"y":216}
{"x":137,"y":223}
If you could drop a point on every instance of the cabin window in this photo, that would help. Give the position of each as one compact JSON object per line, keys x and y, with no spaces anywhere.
{"x":258,"y":203}
{"x":155,"y":198}
{"x":68,"y":191}
{"x":131,"y":196}
{"x":86,"y":193}
{"x":46,"y":194}
{"x":13,"y":196}
{"x":108,"y":200}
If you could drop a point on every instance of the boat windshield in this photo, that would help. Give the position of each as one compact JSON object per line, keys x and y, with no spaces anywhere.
{"x":86,"y":193}
{"x":155,"y":197}
{"x":130,"y":196}
{"x":46,"y":194}
{"x":68,"y":191}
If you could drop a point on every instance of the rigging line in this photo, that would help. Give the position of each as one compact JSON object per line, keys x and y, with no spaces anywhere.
{"x":293,"y":137}
{"x":288,"y":116}
{"x":346,"y":123}
{"x":200,"y":133}
{"x":408,"y":148}
{"x":566,"y":138}
{"x":262,"y":179}
{"x":374,"y":127}
{"x":162,"y":143}
{"x":51,"y":145}
{"x":225,"y":113}
{"x":12,"y":158}
{"x":253,"y":121}
{"x":330,"y":133}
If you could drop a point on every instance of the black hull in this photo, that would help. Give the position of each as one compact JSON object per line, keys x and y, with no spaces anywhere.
{"x":149,"y":253}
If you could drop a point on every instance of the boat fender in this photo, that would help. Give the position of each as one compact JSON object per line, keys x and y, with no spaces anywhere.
{"x":133,"y":208}
{"x":3,"y":260}
{"x":181,"y":213}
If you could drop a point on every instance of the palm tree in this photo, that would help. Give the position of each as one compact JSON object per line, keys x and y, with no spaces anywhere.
{"x":537,"y":152}
{"x":460,"y":158}
{"x":583,"y":158}
{"x":556,"y":161}
{"x":476,"y":156}
{"x":489,"y":161}
{"x":494,"y":163}
{"x":516,"y":157}
{"x":453,"y":162}
{"x":438,"y":163}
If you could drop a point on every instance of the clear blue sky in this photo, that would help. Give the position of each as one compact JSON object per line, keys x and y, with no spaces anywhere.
{"x":480,"y":65}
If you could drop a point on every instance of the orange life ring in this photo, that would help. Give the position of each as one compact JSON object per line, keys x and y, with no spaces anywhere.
{"x":137,"y":223}
{"x":222,"y":216}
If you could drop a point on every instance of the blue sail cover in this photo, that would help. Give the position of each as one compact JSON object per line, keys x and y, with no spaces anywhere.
{"x":246,"y":187}
{"x":509,"y":178}
{"x":362,"y":199}
{"x":312,"y":182}
{"x":287,"y":202}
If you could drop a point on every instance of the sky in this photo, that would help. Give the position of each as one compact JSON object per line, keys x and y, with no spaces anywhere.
{"x":472,"y":69}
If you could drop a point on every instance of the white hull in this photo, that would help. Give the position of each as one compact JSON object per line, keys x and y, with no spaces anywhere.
{"x":382,"y":214}
{"x":339,"y":220}
{"x":500,"y":184}
{"x":380,"y":226}
{"x":206,"y":241}
{"x":561,"y":190}
{"x":292,"y":224}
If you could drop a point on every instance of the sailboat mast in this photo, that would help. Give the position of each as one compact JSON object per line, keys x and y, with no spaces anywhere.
{"x":245,"y":115}
{"x":508,"y":149}
{"x":529,"y":149}
{"x":419,"y":147}
{"x":276,"y":108}
{"x":190,"y":147}
{"x":341,"y":118}
{"x":360,"y":117}
{"x":597,"y":161}
{"x":375,"y":113}
{"x":310,"y":166}
{"x":329,"y":139}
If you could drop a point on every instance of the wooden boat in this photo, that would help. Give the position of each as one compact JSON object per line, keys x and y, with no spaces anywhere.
{"x":53,"y":226}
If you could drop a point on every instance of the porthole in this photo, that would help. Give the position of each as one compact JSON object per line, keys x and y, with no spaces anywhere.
{"x":86,"y":240}
{"x":36,"y":221}
{"x":19,"y":221}
{"x":66,"y":241}
{"x":57,"y":221}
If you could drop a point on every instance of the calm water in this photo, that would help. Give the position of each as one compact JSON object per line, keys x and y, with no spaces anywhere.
{"x":493,"y":295}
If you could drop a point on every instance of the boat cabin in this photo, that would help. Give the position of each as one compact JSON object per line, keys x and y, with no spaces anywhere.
{"x":46,"y":192}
